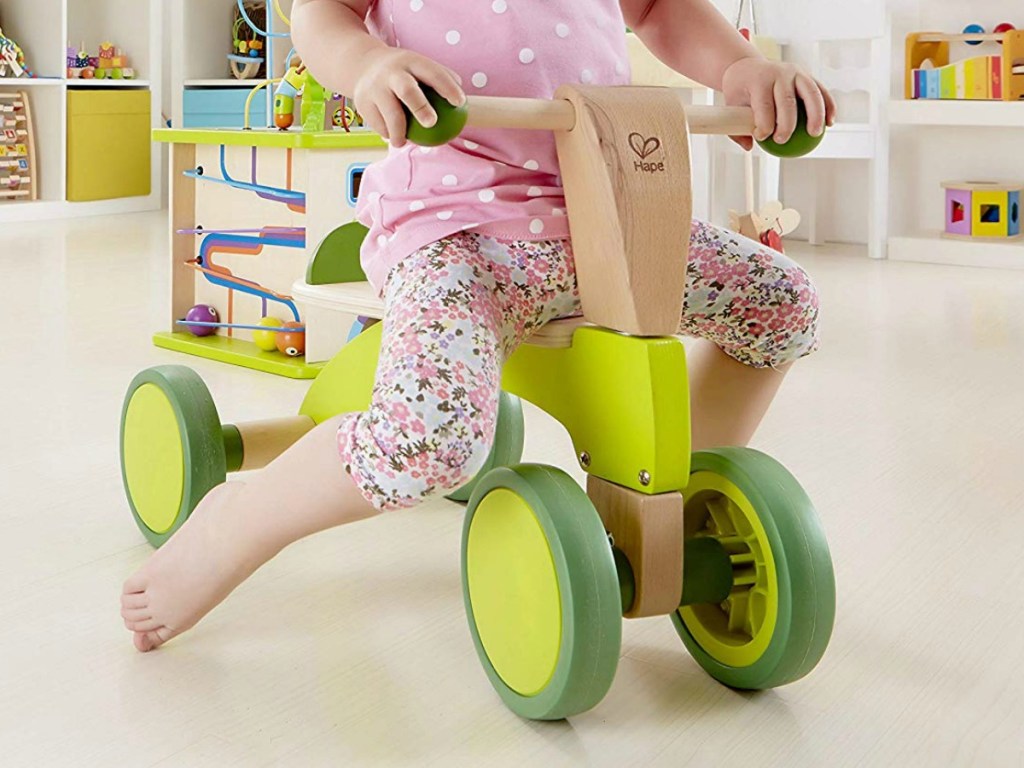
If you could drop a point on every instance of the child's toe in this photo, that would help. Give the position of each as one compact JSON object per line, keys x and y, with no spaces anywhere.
{"x":135,"y":584}
{"x":131,"y":601}
{"x":148,"y":641}
{"x":143,"y":625}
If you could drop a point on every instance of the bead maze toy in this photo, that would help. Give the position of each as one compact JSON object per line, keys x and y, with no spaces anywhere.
{"x":982,"y":210}
{"x":930,"y":73}
{"x":18,"y":175}
{"x":248,"y":208}
{"x":725,"y":542}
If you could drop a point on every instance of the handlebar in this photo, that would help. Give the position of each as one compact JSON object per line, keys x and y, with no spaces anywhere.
{"x":560,"y":115}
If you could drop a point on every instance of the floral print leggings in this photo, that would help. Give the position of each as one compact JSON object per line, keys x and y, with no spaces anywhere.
{"x":457,"y":309}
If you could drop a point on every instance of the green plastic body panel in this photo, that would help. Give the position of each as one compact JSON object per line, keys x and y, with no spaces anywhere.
{"x":602,"y":389}
{"x":625,"y":401}
{"x":337,"y":257}
{"x":345,"y":385}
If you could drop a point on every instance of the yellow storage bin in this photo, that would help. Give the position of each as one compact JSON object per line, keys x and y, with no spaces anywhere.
{"x":108,"y":144}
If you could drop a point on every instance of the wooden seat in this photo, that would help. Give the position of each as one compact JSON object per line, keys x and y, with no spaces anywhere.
{"x":361,"y":299}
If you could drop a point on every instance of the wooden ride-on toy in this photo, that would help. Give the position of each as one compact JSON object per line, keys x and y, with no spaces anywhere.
{"x":726,"y":542}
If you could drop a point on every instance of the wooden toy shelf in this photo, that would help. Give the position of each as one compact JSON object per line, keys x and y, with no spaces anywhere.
{"x":45,"y":29}
{"x":934,"y":48}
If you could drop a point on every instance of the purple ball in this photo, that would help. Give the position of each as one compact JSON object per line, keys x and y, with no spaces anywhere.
{"x":202,"y":313}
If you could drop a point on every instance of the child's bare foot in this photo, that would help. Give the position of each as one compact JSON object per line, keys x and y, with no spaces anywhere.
{"x":236,"y":529}
{"x":194,"y":571}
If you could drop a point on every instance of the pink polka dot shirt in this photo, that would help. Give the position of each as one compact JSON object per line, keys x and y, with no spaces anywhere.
{"x":497,"y":182}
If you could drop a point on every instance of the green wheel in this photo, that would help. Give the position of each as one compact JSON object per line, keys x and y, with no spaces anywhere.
{"x":541,"y":591}
{"x":508,"y":444}
{"x":775,"y":624}
{"x":172,"y":448}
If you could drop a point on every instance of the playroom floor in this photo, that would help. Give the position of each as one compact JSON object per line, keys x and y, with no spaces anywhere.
{"x":350,"y":649}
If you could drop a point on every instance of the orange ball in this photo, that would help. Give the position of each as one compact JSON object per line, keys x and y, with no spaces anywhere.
{"x":292,"y":342}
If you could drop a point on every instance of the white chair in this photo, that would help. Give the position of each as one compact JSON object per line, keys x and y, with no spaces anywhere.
{"x":864,"y":85}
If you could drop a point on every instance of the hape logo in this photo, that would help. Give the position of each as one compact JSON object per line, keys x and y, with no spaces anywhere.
{"x":644,"y":147}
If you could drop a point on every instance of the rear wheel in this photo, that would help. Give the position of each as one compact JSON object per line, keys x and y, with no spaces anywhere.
{"x":172,"y":448}
{"x":776,"y":622}
{"x":541,"y":590}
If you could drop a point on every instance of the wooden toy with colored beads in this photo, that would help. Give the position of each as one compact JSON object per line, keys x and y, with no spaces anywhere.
{"x":17,"y":148}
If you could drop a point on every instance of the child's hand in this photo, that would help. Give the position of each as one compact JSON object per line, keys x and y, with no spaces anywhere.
{"x":391,"y":78}
{"x":772,"y":90}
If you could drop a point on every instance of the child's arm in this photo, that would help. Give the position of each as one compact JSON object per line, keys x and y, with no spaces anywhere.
{"x":334,"y":43}
{"x":693,"y":38}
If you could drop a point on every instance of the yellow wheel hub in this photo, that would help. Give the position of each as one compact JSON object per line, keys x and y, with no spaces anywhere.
{"x":514,"y":593}
{"x":154,"y":458}
{"x":737,"y":631}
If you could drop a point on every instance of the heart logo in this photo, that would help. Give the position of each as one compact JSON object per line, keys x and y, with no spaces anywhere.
{"x":644,"y":147}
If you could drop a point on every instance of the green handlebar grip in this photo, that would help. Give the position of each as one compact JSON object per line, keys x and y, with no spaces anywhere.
{"x":450,"y":121}
{"x":800,"y":143}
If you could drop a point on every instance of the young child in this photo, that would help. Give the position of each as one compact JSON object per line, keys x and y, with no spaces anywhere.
{"x":469,"y":245}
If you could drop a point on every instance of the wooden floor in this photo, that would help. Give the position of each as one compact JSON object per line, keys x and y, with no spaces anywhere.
{"x":351,"y":649}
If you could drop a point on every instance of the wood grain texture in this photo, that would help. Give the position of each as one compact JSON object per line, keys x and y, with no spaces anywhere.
{"x":626,"y":171}
{"x":263,"y":441}
{"x":649,"y":531}
{"x":183,"y":247}
{"x":30,"y":145}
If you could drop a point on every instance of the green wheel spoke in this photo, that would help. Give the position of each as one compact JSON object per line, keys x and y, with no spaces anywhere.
{"x":722,"y":520}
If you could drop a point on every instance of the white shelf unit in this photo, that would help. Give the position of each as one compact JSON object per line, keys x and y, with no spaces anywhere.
{"x":975,"y":114}
{"x":202,"y":29}
{"x":43,"y":28}
{"x":932,"y":141}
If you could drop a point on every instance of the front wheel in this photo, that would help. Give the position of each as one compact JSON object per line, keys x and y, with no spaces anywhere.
{"x":776,"y":622}
{"x":172,"y":448}
{"x":541,"y":590}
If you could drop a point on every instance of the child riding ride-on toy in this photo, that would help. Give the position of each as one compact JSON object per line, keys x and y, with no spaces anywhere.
{"x":724,"y":541}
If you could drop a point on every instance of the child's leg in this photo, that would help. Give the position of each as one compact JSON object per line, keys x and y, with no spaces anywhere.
{"x":455,"y":311}
{"x":237,"y":528}
{"x":756,"y":313}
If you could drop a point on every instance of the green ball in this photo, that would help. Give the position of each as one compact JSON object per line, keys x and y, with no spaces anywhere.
{"x":450,"y":121}
{"x":800,"y":143}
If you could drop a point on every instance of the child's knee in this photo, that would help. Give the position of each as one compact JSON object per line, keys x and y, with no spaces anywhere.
{"x":796,"y":319}
{"x":399,"y":468}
